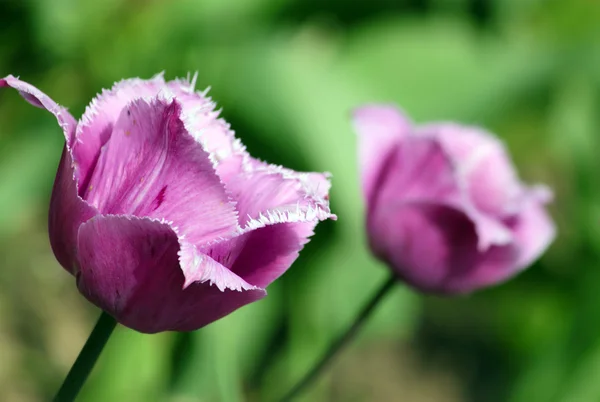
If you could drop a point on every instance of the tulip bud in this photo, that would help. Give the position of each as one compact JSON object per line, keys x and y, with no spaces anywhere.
{"x":445,"y":208}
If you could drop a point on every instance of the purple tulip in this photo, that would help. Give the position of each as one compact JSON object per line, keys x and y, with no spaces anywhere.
{"x":445,"y":208}
{"x":162,"y":216}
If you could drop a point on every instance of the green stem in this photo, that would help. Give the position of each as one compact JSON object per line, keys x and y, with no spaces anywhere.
{"x":86,"y":359}
{"x":342,"y":341}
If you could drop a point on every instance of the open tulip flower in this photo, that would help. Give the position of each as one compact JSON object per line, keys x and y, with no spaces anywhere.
{"x":445,"y":208}
{"x":159,"y":212}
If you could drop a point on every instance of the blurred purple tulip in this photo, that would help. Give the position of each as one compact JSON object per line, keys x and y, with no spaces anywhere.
{"x":160,"y":213}
{"x":445,"y":208}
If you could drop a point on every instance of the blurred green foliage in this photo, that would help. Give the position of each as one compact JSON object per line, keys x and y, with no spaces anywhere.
{"x":287,"y":74}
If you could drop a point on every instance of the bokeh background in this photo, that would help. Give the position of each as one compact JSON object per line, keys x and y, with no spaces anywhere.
{"x":287,"y":73}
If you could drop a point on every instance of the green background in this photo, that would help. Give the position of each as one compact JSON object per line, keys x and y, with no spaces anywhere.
{"x":287,"y":75}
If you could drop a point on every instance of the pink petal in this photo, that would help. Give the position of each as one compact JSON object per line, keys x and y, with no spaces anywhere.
{"x":200,"y":267}
{"x":200,"y":119}
{"x":67,"y":209}
{"x":67,"y":212}
{"x":260,"y":256}
{"x":533,"y":229}
{"x":39,"y":99}
{"x":270,"y":251}
{"x":490,"y":231}
{"x":434,"y":248}
{"x":492,"y":267}
{"x":100,"y":117}
{"x":130,"y":268}
{"x":269,"y":194}
{"x":380,"y":128}
{"x":279,"y":209}
{"x":425,"y":242}
{"x":314,"y":184}
{"x":203,"y":123}
{"x":152,"y":167}
{"x":483,"y":166}
{"x":421,"y":171}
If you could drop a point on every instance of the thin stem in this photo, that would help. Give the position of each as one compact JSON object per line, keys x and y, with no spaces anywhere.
{"x":342,"y":341}
{"x":86,"y":359}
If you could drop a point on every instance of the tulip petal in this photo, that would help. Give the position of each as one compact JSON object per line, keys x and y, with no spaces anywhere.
{"x":490,"y":231}
{"x":483,"y":166}
{"x":422,"y":171}
{"x":260,"y":256}
{"x":200,"y":267}
{"x":270,"y":251}
{"x":39,"y":99}
{"x":203,"y":123}
{"x":130,"y":267}
{"x":533,"y":229}
{"x":67,"y":210}
{"x":279,"y":209}
{"x":445,"y":258}
{"x":152,"y":167}
{"x":98,"y":121}
{"x":198,"y":113}
{"x":269,"y":194}
{"x":446,"y":239}
{"x":380,"y":129}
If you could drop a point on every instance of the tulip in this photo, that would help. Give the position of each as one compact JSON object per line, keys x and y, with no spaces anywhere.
{"x":162,"y":216}
{"x":445,"y":208}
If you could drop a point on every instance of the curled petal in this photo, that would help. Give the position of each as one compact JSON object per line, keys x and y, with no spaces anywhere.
{"x":67,"y":209}
{"x":201,"y":268}
{"x":268,"y":194}
{"x":315,"y":185}
{"x":380,"y":129}
{"x":279,"y":209}
{"x":39,"y":99}
{"x":130,"y":268}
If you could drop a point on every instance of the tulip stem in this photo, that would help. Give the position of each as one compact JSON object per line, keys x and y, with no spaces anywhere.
{"x":342,"y":340}
{"x":87,"y":359}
